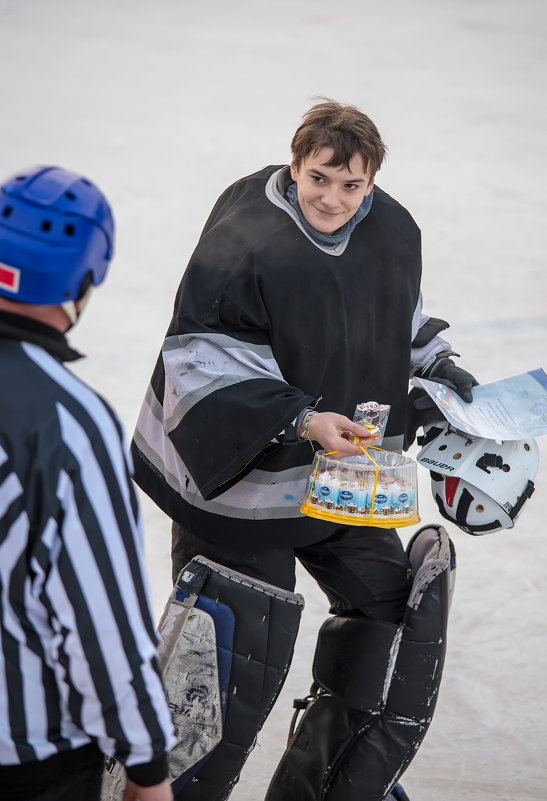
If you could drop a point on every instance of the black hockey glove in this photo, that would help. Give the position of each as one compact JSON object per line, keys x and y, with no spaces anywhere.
{"x":421,"y":408}
{"x":421,"y":411}
{"x":443,"y":370}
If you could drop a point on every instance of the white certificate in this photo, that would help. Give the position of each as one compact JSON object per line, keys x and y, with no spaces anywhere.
{"x":512,"y":408}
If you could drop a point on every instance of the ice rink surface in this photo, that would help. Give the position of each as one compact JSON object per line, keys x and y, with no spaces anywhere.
{"x":164,"y":103}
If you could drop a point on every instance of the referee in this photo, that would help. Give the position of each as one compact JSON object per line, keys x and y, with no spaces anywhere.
{"x":79,"y":676}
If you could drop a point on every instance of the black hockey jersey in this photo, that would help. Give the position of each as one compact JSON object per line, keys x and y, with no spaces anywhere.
{"x":267,"y":322}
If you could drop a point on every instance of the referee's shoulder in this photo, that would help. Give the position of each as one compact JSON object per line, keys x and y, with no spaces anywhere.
{"x":48,"y":389}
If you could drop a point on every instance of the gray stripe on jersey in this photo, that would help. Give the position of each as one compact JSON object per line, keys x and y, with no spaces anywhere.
{"x":260,"y":495}
{"x":197,"y":365}
{"x":176,"y":341}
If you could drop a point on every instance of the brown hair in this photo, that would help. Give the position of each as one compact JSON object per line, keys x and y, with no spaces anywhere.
{"x":343,"y":128}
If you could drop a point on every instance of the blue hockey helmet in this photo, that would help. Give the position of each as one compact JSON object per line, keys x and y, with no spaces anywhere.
{"x":56,"y":236}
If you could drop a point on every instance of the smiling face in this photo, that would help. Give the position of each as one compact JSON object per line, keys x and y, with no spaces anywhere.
{"x":329,"y":196}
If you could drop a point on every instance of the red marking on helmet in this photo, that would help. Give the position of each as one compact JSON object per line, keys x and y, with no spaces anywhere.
{"x":9,"y":278}
{"x":450,"y":487}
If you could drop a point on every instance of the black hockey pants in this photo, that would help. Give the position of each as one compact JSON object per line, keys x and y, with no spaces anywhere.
{"x":360,"y":569}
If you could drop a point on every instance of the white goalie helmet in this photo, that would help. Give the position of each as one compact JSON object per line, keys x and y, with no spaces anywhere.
{"x":479,"y":484}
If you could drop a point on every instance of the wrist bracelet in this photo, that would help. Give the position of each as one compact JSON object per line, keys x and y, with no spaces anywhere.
{"x":306,"y":430}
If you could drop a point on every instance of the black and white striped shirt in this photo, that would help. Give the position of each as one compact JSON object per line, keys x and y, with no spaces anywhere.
{"x":78,"y":646}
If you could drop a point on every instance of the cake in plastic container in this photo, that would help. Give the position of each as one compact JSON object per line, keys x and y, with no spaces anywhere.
{"x":376,"y":488}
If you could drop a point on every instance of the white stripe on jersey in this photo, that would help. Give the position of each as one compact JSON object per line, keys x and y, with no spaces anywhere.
{"x":62,"y":553}
{"x":11,"y":550}
{"x":96,"y":410}
{"x":98,"y":496}
{"x":10,"y":490}
{"x":10,"y":624}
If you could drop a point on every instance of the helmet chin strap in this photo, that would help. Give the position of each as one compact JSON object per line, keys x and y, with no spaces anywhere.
{"x":74,"y":308}
{"x":69,"y":309}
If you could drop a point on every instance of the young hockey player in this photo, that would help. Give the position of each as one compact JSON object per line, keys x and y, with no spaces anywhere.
{"x":78,"y":668}
{"x":302,"y":299}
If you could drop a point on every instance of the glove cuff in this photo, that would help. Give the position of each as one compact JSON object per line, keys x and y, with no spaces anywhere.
{"x":431,"y":367}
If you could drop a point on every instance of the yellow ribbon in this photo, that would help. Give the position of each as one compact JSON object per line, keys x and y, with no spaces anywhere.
{"x":376,"y":473}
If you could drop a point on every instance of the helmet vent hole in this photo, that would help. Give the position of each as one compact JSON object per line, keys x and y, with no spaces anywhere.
{"x":526,"y":446}
{"x":86,"y":182}
{"x":505,"y":468}
{"x":456,"y":456}
{"x":7,"y":211}
{"x":46,"y":225}
{"x":479,"y":508}
{"x":70,"y":195}
{"x":69,"y":230}
{"x":442,"y":447}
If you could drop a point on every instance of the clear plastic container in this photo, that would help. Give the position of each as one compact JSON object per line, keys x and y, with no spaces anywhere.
{"x":372,"y":416}
{"x":378,"y":488}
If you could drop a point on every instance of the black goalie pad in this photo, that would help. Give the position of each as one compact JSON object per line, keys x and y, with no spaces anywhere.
{"x":227,"y":643}
{"x":378,"y":684}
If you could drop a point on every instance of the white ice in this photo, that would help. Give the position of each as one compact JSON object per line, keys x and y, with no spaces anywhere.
{"x":164,"y":103}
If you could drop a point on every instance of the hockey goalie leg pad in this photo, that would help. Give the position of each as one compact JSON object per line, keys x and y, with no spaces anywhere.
{"x":227,"y":643}
{"x":378,"y":688}
{"x":397,"y":794}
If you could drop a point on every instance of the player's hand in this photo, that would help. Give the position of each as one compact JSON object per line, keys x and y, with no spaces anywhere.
{"x":422,"y":411}
{"x":157,"y":792}
{"x":446,"y":372}
{"x":335,"y":432}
